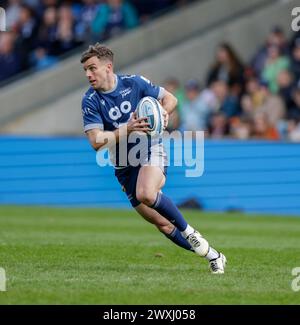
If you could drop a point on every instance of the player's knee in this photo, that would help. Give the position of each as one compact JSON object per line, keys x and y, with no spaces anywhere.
{"x":146,"y":196}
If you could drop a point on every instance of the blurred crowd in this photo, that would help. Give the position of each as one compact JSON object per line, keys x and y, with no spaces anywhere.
{"x":259,"y":99}
{"x":40,"y":31}
{"x":256,"y":99}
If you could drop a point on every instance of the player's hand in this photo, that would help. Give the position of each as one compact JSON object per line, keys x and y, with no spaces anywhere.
{"x":137,"y":124}
{"x":166,"y":118}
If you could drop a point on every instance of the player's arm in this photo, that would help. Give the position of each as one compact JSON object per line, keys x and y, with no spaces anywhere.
{"x":168,"y":102}
{"x":94,"y":126}
{"x":100,"y":139}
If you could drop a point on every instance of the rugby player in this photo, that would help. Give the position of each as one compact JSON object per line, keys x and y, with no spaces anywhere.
{"x":109,"y":117}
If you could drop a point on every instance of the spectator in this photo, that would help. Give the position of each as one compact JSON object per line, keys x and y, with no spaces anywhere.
{"x":293,"y":112}
{"x":47,"y":37}
{"x":286,"y":86}
{"x":218,"y":125}
{"x":173,"y":86}
{"x":218,"y":99}
{"x":277,"y":38}
{"x":212,"y":96}
{"x":12,"y":14}
{"x":272,"y":105}
{"x":195,"y":112}
{"x":259,"y":99}
{"x":295,"y":59}
{"x":280,"y":39}
{"x":148,"y":8}
{"x":9,"y":61}
{"x":87,"y":15}
{"x":274,"y":64}
{"x":229,"y":102}
{"x":27,"y":29}
{"x":41,"y":60}
{"x":43,"y":5}
{"x":241,"y":127}
{"x":294,"y":130}
{"x":113,"y":18}
{"x":294,"y":37}
{"x":262,"y":128}
{"x":32,"y":3}
{"x":66,"y":38}
{"x":253,"y":98}
{"x":227,"y":67}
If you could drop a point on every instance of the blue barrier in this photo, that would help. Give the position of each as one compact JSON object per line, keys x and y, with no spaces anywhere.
{"x":251,"y":176}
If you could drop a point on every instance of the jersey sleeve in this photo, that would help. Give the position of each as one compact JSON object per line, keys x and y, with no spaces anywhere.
{"x":149,"y":89}
{"x":91,"y":116}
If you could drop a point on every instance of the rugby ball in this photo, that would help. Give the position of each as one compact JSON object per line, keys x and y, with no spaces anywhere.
{"x":150,"y":107}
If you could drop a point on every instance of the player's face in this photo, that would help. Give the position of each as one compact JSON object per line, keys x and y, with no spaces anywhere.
{"x":97,"y":72}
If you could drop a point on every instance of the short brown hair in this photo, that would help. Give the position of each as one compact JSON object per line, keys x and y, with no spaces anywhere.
{"x":98,"y":50}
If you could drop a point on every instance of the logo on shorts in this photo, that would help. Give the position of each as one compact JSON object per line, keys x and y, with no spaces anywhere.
{"x":2,"y":20}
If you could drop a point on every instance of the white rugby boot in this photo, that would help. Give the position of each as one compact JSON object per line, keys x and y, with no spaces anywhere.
{"x":217,"y":265}
{"x":198,"y":243}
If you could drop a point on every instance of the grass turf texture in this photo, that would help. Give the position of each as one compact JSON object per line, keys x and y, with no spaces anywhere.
{"x":89,"y":256}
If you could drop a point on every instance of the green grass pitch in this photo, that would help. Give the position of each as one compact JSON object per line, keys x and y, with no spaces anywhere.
{"x":93,"y":256}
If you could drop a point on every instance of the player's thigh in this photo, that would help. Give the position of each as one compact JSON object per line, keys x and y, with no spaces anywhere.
{"x":150,"y":177}
{"x":155,"y":218}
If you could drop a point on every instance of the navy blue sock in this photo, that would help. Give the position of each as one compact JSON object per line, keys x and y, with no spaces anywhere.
{"x":169,"y":210}
{"x":179,"y":240}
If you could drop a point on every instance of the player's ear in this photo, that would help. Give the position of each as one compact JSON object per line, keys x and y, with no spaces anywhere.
{"x":109,"y":66}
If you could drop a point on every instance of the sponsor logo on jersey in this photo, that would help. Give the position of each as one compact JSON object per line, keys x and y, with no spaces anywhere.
{"x":116,"y":112}
{"x":128,"y":76}
{"x":125,"y":92}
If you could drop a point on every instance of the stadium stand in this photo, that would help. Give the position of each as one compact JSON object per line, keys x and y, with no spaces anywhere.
{"x":228,"y":116}
{"x":135,"y":46}
{"x":41,"y":31}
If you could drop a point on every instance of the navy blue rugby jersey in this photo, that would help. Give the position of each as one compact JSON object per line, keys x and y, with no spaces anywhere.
{"x":111,"y":109}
